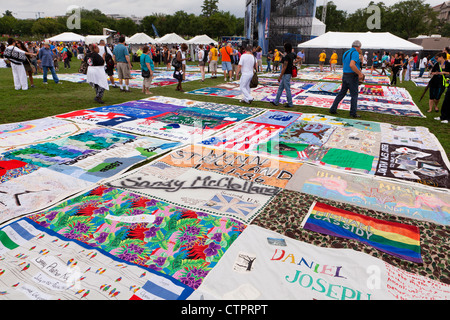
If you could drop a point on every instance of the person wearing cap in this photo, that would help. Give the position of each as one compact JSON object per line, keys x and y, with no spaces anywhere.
{"x":46,"y":57}
{"x":350,"y":79}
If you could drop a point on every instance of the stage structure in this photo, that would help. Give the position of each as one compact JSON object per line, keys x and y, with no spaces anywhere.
{"x":271,"y":23}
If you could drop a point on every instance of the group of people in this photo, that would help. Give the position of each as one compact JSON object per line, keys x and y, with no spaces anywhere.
{"x":26,"y":60}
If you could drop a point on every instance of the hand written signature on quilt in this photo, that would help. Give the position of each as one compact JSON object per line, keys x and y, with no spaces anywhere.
{"x":200,"y":182}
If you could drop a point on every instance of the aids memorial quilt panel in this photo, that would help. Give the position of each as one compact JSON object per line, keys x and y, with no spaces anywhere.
{"x":37,"y":190}
{"x":175,"y":119}
{"x":396,"y":239}
{"x":20,"y":134}
{"x":39,"y":264}
{"x":154,"y":234}
{"x":263,"y":265}
{"x":198,"y":190}
{"x":288,"y":211}
{"x":256,"y":168}
{"x":93,"y":155}
{"x":401,"y":198}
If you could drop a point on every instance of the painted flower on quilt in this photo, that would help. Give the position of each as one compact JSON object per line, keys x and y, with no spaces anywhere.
{"x":102,"y":237}
{"x":212,"y":249}
{"x":81,"y":227}
{"x":150,"y":233}
{"x":160,"y":260}
{"x":127,"y":256}
{"x":217,"y":237}
{"x":191,"y":281}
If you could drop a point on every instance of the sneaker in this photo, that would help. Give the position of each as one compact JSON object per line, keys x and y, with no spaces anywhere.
{"x":45,"y":82}
{"x":438,"y":118}
{"x":333,"y":112}
{"x":355,"y":116}
{"x":444,"y":121}
{"x":273,"y":103}
{"x":288,"y":106}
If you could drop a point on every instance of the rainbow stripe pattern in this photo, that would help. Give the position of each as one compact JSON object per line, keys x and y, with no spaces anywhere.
{"x":397,"y":239}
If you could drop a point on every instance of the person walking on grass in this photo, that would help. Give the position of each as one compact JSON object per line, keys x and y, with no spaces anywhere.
{"x":178,"y":73}
{"x":285,"y":76}
{"x":213,"y":57}
{"x":107,"y":56}
{"x":226,"y":53}
{"x":350,"y":79}
{"x":46,"y":57}
{"x":333,"y":61}
{"x":96,"y":76}
{"x":322,"y":58}
{"x":122,"y":60}
{"x":438,"y":82}
{"x":202,"y":58}
{"x":147,"y":67}
{"x":247,"y":65}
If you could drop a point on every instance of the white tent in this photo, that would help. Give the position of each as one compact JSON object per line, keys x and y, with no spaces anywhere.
{"x":202,"y":39}
{"x":171,"y":38}
{"x":197,"y":40}
{"x":369,"y":41}
{"x":67,"y":37}
{"x":140,"y":38}
{"x":95,"y":39}
{"x":318,"y":27}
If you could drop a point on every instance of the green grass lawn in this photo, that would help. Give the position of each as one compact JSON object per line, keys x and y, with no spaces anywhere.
{"x":47,"y":100}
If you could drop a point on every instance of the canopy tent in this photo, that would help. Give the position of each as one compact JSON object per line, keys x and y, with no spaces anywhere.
{"x":96,"y":39}
{"x":140,"y":38}
{"x":197,"y":40}
{"x":171,"y":38}
{"x":67,"y":37}
{"x":318,"y":27}
{"x":202,"y":39}
{"x":342,"y":41}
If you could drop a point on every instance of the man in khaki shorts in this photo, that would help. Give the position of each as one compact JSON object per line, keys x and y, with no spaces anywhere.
{"x":123,"y":62}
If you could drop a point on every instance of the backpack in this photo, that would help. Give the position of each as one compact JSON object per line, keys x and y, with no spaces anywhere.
{"x":294,"y":71}
{"x":69,"y":54}
{"x":205,"y":55}
{"x":175,"y":63}
{"x":109,"y":61}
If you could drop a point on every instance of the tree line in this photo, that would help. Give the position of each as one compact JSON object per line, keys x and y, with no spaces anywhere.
{"x":406,"y":19}
{"x":212,"y":22}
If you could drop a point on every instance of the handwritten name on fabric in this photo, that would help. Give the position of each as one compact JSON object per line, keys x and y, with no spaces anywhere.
{"x":45,"y":265}
{"x":399,"y":240}
{"x":303,"y":271}
{"x":248,"y":167}
{"x":199,"y":190}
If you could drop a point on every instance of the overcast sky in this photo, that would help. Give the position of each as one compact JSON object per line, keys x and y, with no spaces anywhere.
{"x":28,"y":8}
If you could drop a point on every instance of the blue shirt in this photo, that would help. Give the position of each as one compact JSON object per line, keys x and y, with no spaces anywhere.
{"x":120,"y":51}
{"x":46,"y":57}
{"x":351,"y":55}
{"x":145,"y":58}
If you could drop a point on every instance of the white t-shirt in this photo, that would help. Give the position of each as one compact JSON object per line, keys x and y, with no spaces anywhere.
{"x":423,"y":63}
{"x":101,"y":51}
{"x":247,"y":63}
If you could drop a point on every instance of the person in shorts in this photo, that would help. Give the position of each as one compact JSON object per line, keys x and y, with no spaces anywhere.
{"x":213,"y":57}
{"x":227,"y":52}
{"x":123,"y":63}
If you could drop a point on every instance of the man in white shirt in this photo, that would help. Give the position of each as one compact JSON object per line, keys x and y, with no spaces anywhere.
{"x":103,"y":50}
{"x":17,"y":56}
{"x":246,"y":66}
{"x":422,"y":66}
